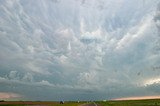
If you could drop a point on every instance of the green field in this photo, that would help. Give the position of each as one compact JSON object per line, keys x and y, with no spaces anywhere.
{"x":155,"y":102}
{"x":32,"y":103}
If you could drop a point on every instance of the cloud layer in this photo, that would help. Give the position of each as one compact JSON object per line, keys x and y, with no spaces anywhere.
{"x":79,"y":50}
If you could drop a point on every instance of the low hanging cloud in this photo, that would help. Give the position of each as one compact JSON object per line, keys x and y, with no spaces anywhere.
{"x":98,"y":49}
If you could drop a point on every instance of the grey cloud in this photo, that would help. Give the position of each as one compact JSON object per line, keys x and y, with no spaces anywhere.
{"x":92,"y":48}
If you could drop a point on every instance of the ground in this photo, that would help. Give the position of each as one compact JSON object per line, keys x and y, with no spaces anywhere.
{"x":154,"y":102}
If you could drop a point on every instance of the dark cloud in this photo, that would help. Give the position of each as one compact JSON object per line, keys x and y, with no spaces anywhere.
{"x":78,"y":50}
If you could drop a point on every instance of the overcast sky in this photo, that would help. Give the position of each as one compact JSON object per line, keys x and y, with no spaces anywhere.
{"x":79,"y":49}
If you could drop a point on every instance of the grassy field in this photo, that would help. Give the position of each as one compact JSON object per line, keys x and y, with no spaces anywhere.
{"x":31,"y":103}
{"x":155,"y":102}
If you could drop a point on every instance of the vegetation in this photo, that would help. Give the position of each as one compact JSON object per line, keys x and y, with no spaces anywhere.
{"x":31,"y":103}
{"x":155,"y":102}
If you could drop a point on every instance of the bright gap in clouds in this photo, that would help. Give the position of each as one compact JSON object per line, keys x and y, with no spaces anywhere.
{"x":8,"y":95}
{"x":80,"y":49}
{"x":139,"y":98}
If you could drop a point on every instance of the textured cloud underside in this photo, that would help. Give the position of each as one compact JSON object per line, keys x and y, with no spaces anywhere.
{"x":79,"y":49}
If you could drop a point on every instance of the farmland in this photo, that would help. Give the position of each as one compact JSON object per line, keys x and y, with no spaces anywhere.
{"x":38,"y":103}
{"x":151,"y":102}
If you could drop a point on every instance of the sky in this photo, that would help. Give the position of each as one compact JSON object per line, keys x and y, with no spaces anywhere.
{"x":79,"y":49}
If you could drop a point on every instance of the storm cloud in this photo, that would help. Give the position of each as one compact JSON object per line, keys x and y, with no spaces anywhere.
{"x":79,"y":49}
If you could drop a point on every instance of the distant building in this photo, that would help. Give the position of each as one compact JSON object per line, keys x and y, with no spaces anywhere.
{"x":1,"y":100}
{"x":61,"y":102}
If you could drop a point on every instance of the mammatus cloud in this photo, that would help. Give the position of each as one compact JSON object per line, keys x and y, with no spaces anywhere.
{"x":79,"y":50}
{"x":154,"y":82}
